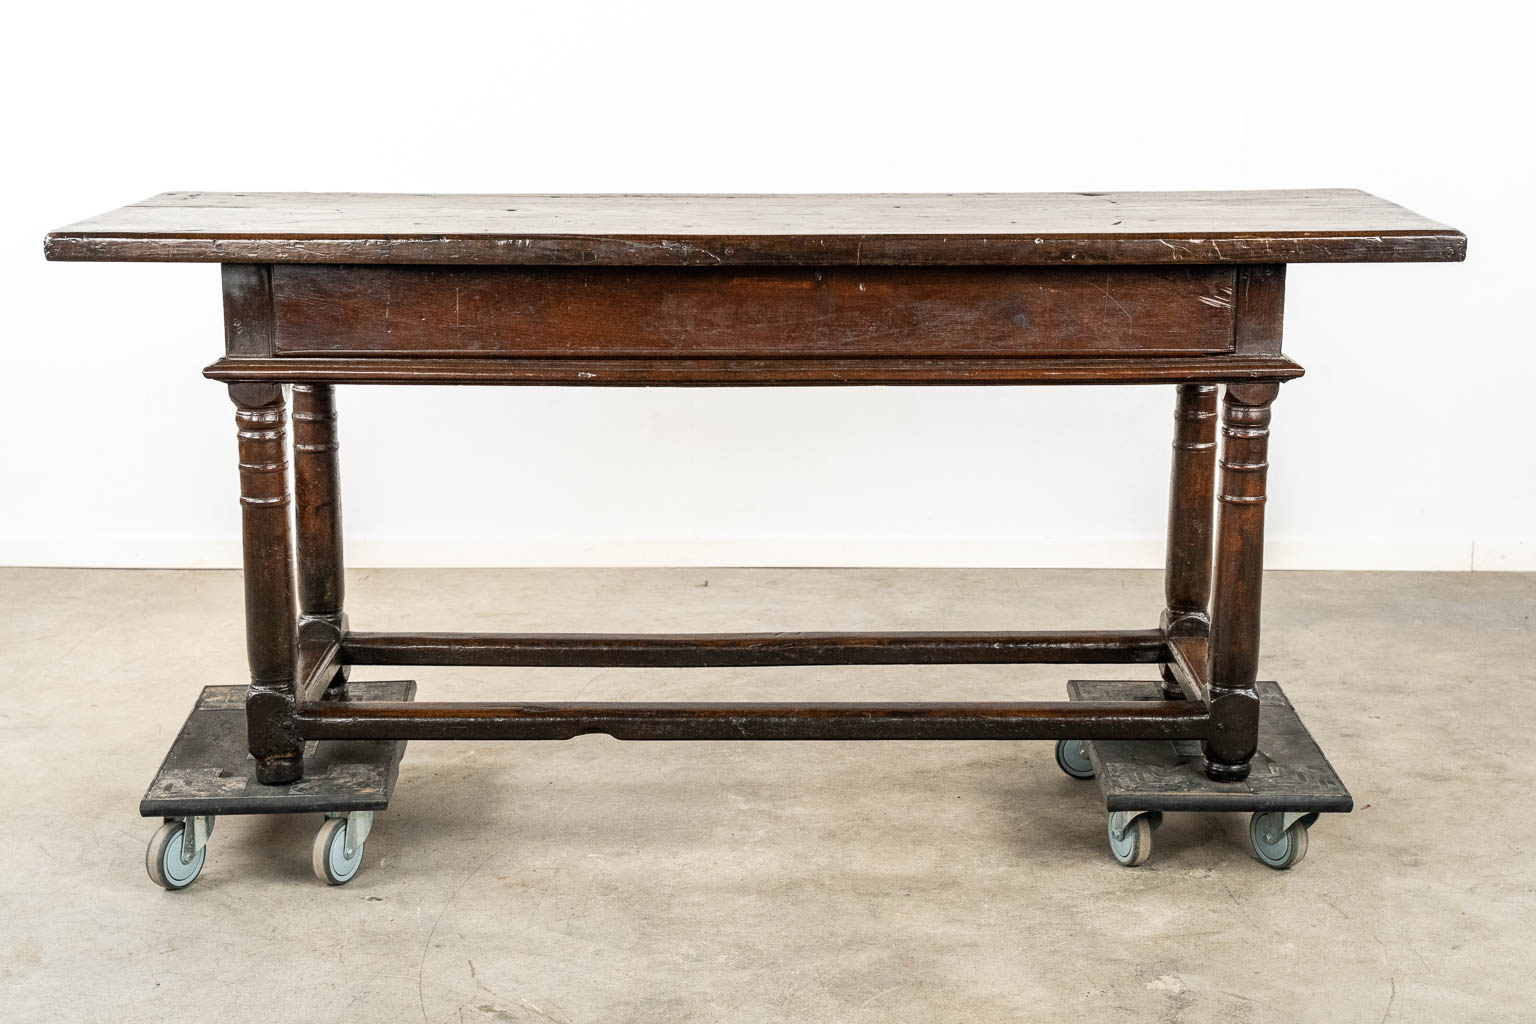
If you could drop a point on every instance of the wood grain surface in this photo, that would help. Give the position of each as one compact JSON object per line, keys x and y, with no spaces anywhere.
{"x":778,"y":312}
{"x":1318,"y":225}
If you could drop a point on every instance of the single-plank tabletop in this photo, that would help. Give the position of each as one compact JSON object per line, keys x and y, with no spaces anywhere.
{"x":1074,"y":228}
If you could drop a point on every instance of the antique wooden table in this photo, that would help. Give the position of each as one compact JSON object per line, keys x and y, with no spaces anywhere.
{"x":1183,"y":289}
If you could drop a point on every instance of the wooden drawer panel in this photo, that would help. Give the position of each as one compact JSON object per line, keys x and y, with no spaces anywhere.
{"x":801,"y":312}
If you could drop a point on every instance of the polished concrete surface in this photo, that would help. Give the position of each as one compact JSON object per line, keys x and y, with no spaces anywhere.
{"x":598,"y":881}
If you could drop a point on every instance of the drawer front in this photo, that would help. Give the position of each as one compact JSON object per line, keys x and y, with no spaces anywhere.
{"x":799,"y":312}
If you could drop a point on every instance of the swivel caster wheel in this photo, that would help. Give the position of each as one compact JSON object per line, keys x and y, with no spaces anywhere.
{"x":1130,"y":835}
{"x":338,"y":849}
{"x":175,"y":856}
{"x":1072,"y":758}
{"x":1279,"y":838}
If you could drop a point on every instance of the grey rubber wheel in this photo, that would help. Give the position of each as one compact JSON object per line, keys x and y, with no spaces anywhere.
{"x":1278,"y":848}
{"x":164,"y":862}
{"x":1072,"y":758}
{"x":329,"y":857}
{"x":1135,"y":846}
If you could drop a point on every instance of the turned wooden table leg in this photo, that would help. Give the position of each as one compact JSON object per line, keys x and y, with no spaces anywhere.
{"x":1191,"y":515}
{"x":270,"y":619}
{"x":1239,"y":580}
{"x":317,"y":514}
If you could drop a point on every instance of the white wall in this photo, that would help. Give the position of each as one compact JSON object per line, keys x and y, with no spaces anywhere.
{"x":1409,"y":444}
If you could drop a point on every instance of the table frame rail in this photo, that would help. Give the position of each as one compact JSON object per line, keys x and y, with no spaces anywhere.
{"x":633,"y":720}
{"x":322,"y":654}
{"x":723,"y":650}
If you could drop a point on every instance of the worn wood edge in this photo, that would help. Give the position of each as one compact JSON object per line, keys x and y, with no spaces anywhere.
{"x":685,"y":372}
{"x":647,"y":650}
{"x":763,"y":250}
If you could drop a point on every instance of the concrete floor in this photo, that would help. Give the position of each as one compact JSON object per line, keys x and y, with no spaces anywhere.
{"x":602,"y":881}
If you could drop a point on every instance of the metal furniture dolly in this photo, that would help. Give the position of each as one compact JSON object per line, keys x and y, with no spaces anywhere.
{"x":1183,"y":289}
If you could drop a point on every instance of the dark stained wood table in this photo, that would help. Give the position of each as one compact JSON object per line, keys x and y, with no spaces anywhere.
{"x":1178,"y":288}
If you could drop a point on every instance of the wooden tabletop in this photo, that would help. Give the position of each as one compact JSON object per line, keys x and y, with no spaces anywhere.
{"x":1294,"y":226}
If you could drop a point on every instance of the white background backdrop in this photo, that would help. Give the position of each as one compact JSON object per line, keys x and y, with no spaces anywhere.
{"x":1409,"y":444}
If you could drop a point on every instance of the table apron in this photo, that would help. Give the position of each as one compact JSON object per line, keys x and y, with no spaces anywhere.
{"x":809,"y":312}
